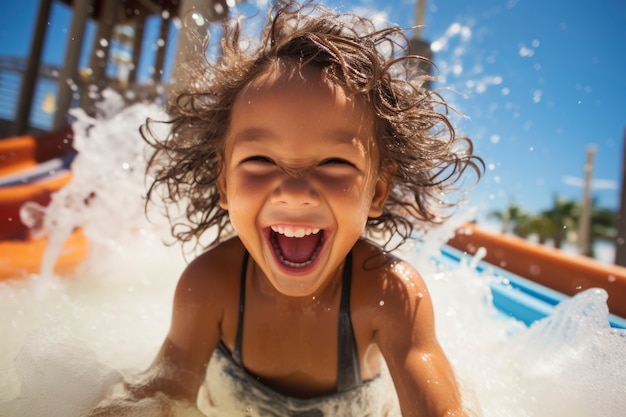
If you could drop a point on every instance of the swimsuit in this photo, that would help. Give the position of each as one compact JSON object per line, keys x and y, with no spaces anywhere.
{"x":230,"y":390}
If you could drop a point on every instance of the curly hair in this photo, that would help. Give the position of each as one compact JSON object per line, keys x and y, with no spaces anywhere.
{"x":419,"y":150}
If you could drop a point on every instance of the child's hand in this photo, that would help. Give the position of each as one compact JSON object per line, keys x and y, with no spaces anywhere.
{"x":157,"y":406}
{"x":118,"y":407}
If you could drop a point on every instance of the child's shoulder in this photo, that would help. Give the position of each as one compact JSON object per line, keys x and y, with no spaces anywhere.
{"x":377,"y":273}
{"x":385,"y":290}
{"x":215,"y":266}
{"x":225,"y":253}
{"x":371,"y":258}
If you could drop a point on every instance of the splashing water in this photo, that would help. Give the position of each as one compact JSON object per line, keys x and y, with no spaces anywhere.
{"x":64,"y":340}
{"x":108,"y":179}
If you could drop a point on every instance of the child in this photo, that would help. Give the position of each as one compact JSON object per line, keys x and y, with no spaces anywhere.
{"x":294,"y":152}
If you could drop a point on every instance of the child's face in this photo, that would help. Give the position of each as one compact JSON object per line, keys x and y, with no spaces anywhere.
{"x":300,"y":177}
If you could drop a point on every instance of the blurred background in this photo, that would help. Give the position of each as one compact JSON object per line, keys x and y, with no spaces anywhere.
{"x":540,"y":86}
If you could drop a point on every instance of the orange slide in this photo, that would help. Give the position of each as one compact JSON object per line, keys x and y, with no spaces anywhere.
{"x":566,"y":273}
{"x":31,"y":169}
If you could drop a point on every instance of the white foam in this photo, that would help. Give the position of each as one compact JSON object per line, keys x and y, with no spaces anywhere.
{"x":65,"y":339}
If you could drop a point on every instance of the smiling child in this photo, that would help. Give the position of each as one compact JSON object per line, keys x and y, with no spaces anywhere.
{"x":302,"y":153}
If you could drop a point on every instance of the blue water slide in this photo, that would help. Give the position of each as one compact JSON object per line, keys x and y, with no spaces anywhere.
{"x":516,"y":296}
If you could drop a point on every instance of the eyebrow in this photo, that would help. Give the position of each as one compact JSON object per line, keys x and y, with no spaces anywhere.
{"x":254,"y":134}
{"x":251,"y":135}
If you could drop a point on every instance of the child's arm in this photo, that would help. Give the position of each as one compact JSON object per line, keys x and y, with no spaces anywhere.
{"x":180,"y":366}
{"x":422,"y":375}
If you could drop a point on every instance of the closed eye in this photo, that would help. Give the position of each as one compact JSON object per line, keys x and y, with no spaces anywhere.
{"x":336,"y":161}
{"x":258,"y":158}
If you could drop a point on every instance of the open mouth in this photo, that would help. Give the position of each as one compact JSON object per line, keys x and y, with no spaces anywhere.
{"x":296,"y":247}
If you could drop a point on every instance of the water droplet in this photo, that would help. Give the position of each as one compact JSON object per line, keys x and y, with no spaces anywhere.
{"x":198,"y":19}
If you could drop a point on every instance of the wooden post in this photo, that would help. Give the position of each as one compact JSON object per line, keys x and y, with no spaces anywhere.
{"x":162,"y":46}
{"x":585,"y":208}
{"x":137,"y":44}
{"x":102,"y":43}
{"x":29,"y":79}
{"x":69,"y":73}
{"x":420,"y":16}
{"x":195,"y":16}
{"x":620,"y":240}
{"x":419,"y":46}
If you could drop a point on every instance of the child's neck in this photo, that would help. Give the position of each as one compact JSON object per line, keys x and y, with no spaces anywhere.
{"x":325,"y":297}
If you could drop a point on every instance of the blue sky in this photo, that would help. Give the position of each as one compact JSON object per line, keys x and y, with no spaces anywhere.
{"x":538,"y":82}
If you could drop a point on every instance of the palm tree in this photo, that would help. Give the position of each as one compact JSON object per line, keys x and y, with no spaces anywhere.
{"x":555,"y":223}
{"x":537,"y":225}
{"x":562,"y":217}
{"x":510,"y":218}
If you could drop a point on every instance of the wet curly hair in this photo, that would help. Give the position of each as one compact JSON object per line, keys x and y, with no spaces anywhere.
{"x":419,"y":150}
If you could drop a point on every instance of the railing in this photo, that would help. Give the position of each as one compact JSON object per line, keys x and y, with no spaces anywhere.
{"x":44,"y":102}
{"x":42,"y":111}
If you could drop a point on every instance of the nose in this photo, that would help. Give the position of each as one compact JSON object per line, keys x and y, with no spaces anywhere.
{"x":295,"y":192}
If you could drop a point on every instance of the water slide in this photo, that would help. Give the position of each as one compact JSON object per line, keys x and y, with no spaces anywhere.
{"x":31,"y":170}
{"x":533,"y":279}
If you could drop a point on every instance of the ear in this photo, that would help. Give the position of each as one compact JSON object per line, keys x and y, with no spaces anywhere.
{"x":221,"y":187}
{"x":381,"y":192}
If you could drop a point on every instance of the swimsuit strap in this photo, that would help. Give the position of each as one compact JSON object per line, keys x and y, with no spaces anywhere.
{"x":242,"y":300}
{"x":348,"y":367}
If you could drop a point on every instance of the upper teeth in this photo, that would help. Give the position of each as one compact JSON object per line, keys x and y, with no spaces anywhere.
{"x":290,"y":231}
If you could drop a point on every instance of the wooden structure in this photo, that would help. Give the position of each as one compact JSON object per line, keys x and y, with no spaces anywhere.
{"x":120,"y":21}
